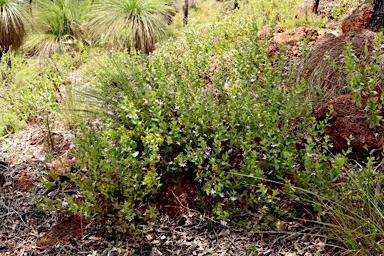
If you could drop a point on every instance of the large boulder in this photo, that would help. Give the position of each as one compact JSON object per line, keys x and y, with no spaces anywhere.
{"x":358,"y":19}
{"x":347,"y":119}
{"x":295,"y":35}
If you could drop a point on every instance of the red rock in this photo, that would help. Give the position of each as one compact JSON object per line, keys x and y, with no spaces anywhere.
{"x":63,"y":232}
{"x":273,"y":48}
{"x":177,"y":195}
{"x":347,"y":119}
{"x":23,"y":182}
{"x":294,"y":35}
{"x":358,"y":19}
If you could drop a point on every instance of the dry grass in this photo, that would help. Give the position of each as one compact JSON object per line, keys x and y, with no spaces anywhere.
{"x":326,"y":81}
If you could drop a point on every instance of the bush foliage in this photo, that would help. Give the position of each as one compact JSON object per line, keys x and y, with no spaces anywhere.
{"x":213,"y":105}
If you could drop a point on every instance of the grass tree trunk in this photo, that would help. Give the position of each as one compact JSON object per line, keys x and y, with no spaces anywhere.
{"x":186,"y":7}
{"x":11,"y":26}
{"x":376,"y":23}
{"x":315,"y":6}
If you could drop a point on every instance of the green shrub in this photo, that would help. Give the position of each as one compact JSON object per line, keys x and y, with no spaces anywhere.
{"x":230,"y":127}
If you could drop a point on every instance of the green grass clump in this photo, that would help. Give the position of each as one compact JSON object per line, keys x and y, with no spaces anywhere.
{"x":24,"y":93}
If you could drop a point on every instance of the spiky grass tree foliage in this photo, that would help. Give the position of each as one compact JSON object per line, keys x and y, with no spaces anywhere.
{"x":11,"y":24}
{"x":56,"y":26}
{"x":123,"y":24}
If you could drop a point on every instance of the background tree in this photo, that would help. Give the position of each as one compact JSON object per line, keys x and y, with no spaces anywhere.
{"x":123,"y":24}
{"x":376,"y":23}
{"x":11,"y":25}
{"x":315,"y":6}
{"x":185,"y":9}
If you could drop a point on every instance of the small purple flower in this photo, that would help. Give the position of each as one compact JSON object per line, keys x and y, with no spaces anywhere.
{"x":278,"y":198}
{"x":50,"y":165}
{"x":261,"y":125}
{"x":64,"y":204}
{"x":200,"y":181}
{"x":170,"y":91}
{"x":115,"y":169}
{"x":233,"y":198}
{"x":131,"y":116}
{"x":128,"y":218}
{"x":88,"y":128}
{"x":112,"y":142}
{"x":213,"y":191}
{"x":145,"y":102}
{"x":108,"y":161}
{"x":170,"y":162}
{"x":222,"y":195}
{"x":183,"y":164}
{"x":123,"y":149}
{"x":247,"y":127}
{"x":158,"y":156}
{"x":99,"y":122}
{"x":251,"y":175}
{"x":122,"y":210}
{"x":177,"y":143}
{"x":84,"y":169}
{"x":331,"y":145}
{"x":71,"y":145}
{"x":223,"y":222}
{"x":342,"y":60}
{"x":273,"y":145}
{"x":160,"y":102}
{"x":264,"y":157}
{"x":85,"y":215}
{"x":341,"y":175}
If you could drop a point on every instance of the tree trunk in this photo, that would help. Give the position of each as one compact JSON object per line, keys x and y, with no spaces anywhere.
{"x":376,"y":23}
{"x":186,"y":7}
{"x":236,"y":5}
{"x":315,"y":6}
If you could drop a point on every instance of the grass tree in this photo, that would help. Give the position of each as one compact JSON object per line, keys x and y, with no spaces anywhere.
{"x":56,"y":26}
{"x":11,"y":25}
{"x":123,"y":24}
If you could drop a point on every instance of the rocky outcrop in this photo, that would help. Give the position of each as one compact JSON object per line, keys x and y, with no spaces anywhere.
{"x":358,"y":19}
{"x":295,"y":35}
{"x":347,"y":119}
